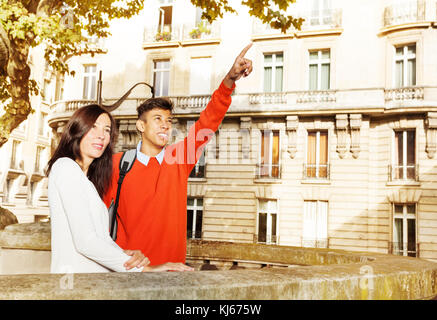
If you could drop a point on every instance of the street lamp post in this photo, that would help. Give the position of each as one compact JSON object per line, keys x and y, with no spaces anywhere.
{"x":116,"y":104}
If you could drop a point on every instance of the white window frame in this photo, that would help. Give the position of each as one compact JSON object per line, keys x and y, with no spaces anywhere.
{"x":271,"y":210}
{"x":405,"y":57}
{"x":320,"y":15}
{"x":155,"y":70}
{"x":405,"y":216}
{"x":195,"y":207}
{"x":319,"y":62}
{"x":87,"y":78}
{"x":274,"y":64}
{"x":405,"y":165}
{"x":319,"y":240}
{"x":317,"y":152}
{"x":270,"y":162}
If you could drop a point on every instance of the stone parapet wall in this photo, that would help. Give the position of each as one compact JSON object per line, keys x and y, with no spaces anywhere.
{"x":304,"y":273}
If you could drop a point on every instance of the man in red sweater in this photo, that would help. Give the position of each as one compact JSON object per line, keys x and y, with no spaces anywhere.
{"x":153,"y":200}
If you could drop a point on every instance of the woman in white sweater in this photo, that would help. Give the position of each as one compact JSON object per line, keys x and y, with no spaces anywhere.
{"x":79,"y":173}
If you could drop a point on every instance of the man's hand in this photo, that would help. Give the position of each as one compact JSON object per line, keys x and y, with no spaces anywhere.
{"x":242,"y":68}
{"x":169,"y":266}
{"x":138,"y":259}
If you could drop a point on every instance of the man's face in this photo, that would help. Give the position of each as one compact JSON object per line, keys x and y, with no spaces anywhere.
{"x":155,"y":127}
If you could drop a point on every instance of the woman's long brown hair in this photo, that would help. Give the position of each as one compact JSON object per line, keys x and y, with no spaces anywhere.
{"x":82,"y":120}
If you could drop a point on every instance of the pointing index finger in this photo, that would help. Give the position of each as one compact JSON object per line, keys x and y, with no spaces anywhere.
{"x":242,"y":53}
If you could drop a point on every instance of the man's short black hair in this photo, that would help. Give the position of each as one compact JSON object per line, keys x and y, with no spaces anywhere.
{"x":152,"y":103}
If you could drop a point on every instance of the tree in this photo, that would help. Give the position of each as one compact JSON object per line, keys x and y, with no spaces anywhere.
{"x":63,"y":27}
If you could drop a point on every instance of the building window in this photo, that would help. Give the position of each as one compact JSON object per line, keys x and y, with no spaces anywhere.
{"x":165,"y":16}
{"x":319,"y":70}
{"x":404,"y":156}
{"x":89,"y":82}
{"x":404,"y":230}
{"x":194,"y":218}
{"x":39,"y":158}
{"x":15,"y":154}
{"x":317,"y":166}
{"x":320,"y":12}
{"x":315,"y":224}
{"x":267,"y":222}
{"x":273,"y":72}
{"x":199,"y":169}
{"x":405,"y":66}
{"x":46,"y":93}
{"x":268,"y":166}
{"x":161,"y":77}
{"x":42,"y":124}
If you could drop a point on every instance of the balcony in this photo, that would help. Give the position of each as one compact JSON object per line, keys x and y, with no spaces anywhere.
{"x":404,"y":94}
{"x":181,"y":35}
{"x":315,"y":243}
{"x":316,"y":96}
{"x":404,"y":14}
{"x":268,"y":98}
{"x":316,"y":22}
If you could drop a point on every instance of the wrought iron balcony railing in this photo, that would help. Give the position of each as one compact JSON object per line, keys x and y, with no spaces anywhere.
{"x":198,"y":171}
{"x":316,"y":171}
{"x":403,"y":173}
{"x":268,"y":171}
{"x":410,"y":249}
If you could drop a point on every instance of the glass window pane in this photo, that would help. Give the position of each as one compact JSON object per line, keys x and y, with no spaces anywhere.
{"x":190,"y":202}
{"x":263,"y":206}
{"x":399,"y":74}
{"x":165,"y":83}
{"x":326,"y":54}
{"x":411,"y":72}
{"x":411,"y":209}
{"x":267,"y":79}
{"x":398,"y":236}
{"x":189,"y":223}
{"x":313,"y":77}
{"x":200,"y":203}
{"x":278,"y":79}
{"x":411,"y":49}
{"x":262,"y":227}
{"x":272,"y":205}
{"x":399,"y":51}
{"x":199,"y":216}
{"x":399,"y":209}
{"x":279,"y":57}
{"x":411,"y":147}
{"x":314,"y":55}
{"x":274,"y":216}
{"x":268,"y":58}
{"x":411,"y":237}
{"x":325,"y":76}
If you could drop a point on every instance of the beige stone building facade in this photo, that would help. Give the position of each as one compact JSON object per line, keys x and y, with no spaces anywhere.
{"x":331,"y":141}
{"x":23,"y":185}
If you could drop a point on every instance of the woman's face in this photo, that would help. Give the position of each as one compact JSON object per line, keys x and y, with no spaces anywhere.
{"x":95,"y":141}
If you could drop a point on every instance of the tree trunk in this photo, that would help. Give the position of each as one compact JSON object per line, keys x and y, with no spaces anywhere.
{"x":18,"y":72}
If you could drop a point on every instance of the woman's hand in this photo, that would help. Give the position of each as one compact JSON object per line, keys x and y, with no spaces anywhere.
{"x":138,"y":259}
{"x":169,"y":266}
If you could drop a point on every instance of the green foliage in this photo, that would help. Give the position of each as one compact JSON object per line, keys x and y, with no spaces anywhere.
{"x":268,"y":11}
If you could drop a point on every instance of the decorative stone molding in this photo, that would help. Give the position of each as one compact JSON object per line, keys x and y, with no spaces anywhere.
{"x":355,"y":126}
{"x":263,"y":192}
{"x":245,"y":128}
{"x":341,"y":124}
{"x":292,"y":125}
{"x":196,"y":190}
{"x":128,"y":137}
{"x":431,"y":134}
{"x":405,"y":196}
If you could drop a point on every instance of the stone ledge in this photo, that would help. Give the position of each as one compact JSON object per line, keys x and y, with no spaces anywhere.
{"x":32,"y":236}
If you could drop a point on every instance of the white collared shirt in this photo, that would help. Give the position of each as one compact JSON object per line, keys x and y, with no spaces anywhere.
{"x":144,"y":159}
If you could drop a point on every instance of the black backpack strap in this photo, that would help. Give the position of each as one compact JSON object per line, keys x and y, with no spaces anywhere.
{"x":126,"y":162}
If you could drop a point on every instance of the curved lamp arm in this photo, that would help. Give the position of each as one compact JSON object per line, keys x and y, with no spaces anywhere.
{"x":116,"y":104}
